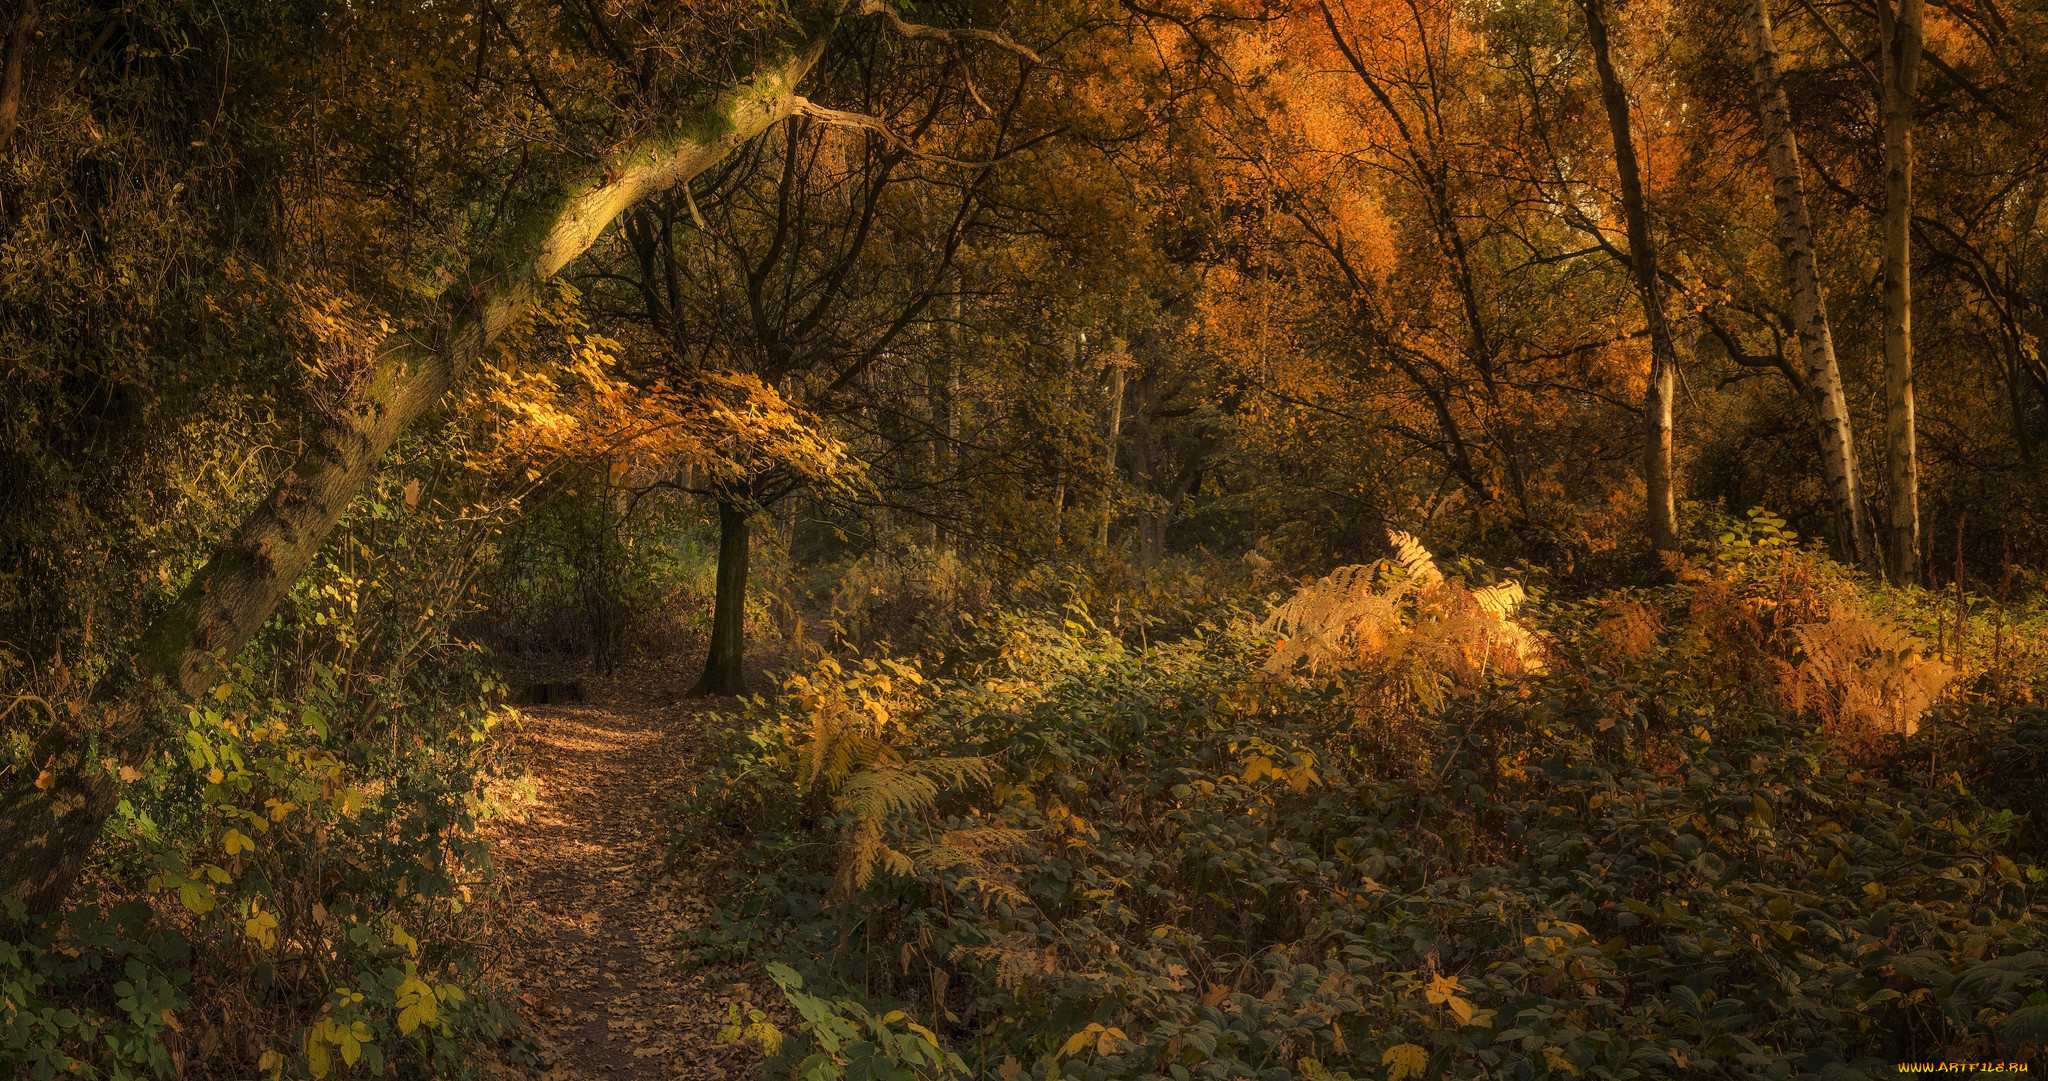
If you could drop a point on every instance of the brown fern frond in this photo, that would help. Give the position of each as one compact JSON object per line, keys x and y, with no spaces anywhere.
{"x":1865,"y":676}
{"x":1400,"y":623}
{"x":1630,"y":630}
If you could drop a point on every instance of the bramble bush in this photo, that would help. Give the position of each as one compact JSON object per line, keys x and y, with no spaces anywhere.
{"x":1648,"y":855}
{"x":293,"y":891}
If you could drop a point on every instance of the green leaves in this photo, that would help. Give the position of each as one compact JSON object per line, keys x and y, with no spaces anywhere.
{"x":853,"y":1043}
{"x":2025,"y":1027}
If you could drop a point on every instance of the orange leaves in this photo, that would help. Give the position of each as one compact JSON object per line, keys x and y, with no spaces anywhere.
{"x":1445,"y":991}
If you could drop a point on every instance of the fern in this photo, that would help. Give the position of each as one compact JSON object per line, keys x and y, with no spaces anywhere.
{"x":852,"y":748}
{"x":1864,"y":675}
{"x":1415,"y":634}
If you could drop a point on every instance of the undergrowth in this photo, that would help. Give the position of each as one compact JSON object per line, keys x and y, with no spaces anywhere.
{"x":296,"y":889}
{"x":1667,"y":841}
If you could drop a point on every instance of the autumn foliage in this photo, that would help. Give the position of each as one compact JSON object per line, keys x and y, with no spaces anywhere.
{"x":1223,"y":538}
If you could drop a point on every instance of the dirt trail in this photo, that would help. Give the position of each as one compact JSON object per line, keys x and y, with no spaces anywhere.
{"x":590,"y":941}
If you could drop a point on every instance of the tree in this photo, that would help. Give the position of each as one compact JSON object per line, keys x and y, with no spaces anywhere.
{"x":18,"y":19}
{"x":1642,"y":253}
{"x":1899,"y":38}
{"x":1794,"y":237}
{"x":812,"y":266}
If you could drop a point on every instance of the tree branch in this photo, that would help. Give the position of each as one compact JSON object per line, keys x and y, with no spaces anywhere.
{"x":918,"y":32}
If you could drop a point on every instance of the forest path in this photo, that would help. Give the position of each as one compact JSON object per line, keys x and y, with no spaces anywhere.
{"x":589,"y":942}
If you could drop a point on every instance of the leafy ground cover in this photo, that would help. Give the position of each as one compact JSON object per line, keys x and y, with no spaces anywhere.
{"x":1689,"y":838}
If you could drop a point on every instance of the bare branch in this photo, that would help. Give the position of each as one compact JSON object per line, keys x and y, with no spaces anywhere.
{"x":951,"y":37}
{"x":863,"y":121}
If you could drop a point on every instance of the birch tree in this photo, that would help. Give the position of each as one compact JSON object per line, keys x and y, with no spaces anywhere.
{"x":1794,"y":237}
{"x":1899,"y":38}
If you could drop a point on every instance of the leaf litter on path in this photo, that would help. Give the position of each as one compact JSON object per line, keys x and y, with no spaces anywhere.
{"x":589,"y":940}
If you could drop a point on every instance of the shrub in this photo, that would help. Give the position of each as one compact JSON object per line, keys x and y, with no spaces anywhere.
{"x":293,"y":891}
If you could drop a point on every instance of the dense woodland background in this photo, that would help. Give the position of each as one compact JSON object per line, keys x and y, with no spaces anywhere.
{"x":1016,"y":401}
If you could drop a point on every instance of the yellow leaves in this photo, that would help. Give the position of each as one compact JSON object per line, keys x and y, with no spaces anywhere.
{"x":197,"y":897}
{"x":416,"y":1004}
{"x":1445,"y":991}
{"x":755,"y":1026}
{"x":1296,"y":769}
{"x":235,"y":841}
{"x":1106,"y":1040}
{"x":1404,"y":1060}
{"x":1461,"y":1009}
{"x":1554,"y":1057}
{"x":328,"y":1036}
{"x":261,"y":926}
{"x":400,"y":938}
{"x":1314,"y":1070}
{"x":565,"y":399}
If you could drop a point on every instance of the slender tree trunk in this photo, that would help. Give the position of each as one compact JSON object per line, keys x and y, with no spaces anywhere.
{"x":1143,"y":455}
{"x":1111,"y":440}
{"x":1075,"y":346}
{"x":50,"y":819}
{"x":18,"y":20}
{"x":723,"y":673}
{"x":1794,"y":236}
{"x":947,"y":388}
{"x":1899,"y":35}
{"x":1657,"y":433}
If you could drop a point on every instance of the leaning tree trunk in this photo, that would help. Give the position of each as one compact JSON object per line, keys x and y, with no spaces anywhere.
{"x":1794,"y":236}
{"x":1657,"y":434}
{"x":49,"y":821}
{"x":722,"y":666}
{"x":1899,"y":35}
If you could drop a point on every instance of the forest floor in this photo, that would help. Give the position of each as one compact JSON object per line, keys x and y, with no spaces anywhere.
{"x":588,"y":944}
